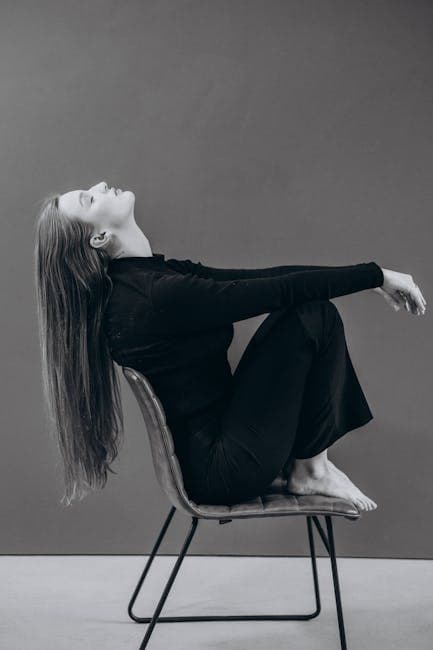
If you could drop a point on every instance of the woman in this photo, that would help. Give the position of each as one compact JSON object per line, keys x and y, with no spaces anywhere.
{"x":103,"y":296}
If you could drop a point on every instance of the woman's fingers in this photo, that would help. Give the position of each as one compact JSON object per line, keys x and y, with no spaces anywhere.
{"x":412,"y":300}
{"x":406,"y":300}
{"x":399,"y":299}
{"x":424,"y":301}
{"x":394,"y":300}
{"x":413,"y":305}
{"x":419,"y":300}
{"x":414,"y":293}
{"x":400,"y":290}
{"x":420,"y":293}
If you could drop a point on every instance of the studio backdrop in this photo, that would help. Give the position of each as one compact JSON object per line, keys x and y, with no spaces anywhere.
{"x":253,"y":134}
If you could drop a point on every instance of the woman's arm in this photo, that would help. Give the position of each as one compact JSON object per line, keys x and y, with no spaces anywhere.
{"x":187,"y":302}
{"x":203,"y":271}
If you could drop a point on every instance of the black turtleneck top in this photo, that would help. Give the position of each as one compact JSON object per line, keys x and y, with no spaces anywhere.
{"x":173,"y":319}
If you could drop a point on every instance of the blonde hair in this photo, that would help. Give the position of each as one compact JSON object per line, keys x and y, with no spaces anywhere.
{"x":80,"y":385}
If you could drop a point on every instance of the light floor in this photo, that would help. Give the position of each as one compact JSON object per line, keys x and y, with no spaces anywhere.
{"x":80,"y":602}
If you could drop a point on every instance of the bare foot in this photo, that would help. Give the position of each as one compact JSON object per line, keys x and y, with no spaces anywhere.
{"x":371,"y":505}
{"x":328,"y":482}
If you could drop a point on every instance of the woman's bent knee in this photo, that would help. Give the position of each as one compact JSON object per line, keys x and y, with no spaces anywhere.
{"x":321,"y":319}
{"x":319,"y":308}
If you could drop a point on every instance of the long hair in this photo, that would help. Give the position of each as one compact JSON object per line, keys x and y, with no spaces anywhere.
{"x":80,"y":386}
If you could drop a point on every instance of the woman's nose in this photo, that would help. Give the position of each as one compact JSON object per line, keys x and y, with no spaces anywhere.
{"x":102,"y":186}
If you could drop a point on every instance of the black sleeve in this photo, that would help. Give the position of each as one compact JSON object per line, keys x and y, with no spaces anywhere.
{"x":186,"y":302}
{"x":203,"y":271}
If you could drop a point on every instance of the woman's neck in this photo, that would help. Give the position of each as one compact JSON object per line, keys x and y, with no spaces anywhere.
{"x":132,"y":242}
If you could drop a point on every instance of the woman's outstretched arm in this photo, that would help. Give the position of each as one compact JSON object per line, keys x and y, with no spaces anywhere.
{"x":204,"y":271}
{"x":408,"y":294}
{"x":187,"y":302}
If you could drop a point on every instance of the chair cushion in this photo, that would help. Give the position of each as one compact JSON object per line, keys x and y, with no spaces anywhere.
{"x":276,"y":501}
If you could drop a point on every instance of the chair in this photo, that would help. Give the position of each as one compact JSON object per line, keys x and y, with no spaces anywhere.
{"x":274,"y":503}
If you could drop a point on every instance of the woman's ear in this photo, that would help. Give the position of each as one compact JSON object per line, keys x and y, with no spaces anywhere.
{"x":101,"y":240}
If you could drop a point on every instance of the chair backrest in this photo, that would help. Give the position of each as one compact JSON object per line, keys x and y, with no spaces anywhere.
{"x":165,"y":461}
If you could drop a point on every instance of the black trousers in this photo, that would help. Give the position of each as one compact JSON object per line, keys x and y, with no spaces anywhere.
{"x":294,"y":393}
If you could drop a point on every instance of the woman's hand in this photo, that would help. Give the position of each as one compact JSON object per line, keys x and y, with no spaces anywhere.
{"x":400,"y":290}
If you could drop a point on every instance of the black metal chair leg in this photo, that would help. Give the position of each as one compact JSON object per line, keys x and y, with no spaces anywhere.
{"x":328,"y":541}
{"x":336,"y":583}
{"x":169,"y":584}
{"x":322,"y":533}
{"x":156,"y":546}
{"x":314,"y":566}
{"x":243,"y":617}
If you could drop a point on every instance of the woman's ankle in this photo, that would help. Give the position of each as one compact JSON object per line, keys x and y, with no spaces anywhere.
{"x":311,"y":467}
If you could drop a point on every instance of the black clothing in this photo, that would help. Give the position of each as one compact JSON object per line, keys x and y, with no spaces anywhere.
{"x":173,"y":319}
{"x":294,"y":393}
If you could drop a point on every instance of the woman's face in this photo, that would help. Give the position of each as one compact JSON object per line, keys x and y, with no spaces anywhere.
{"x":105,"y":208}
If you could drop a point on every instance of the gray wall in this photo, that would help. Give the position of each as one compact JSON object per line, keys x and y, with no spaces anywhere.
{"x":253,"y":134}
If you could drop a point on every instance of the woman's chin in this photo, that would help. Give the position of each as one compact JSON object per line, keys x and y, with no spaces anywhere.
{"x":127,"y":197}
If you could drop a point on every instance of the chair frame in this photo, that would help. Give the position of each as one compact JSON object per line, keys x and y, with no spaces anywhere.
{"x":169,"y":475}
{"x":328,"y":542}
